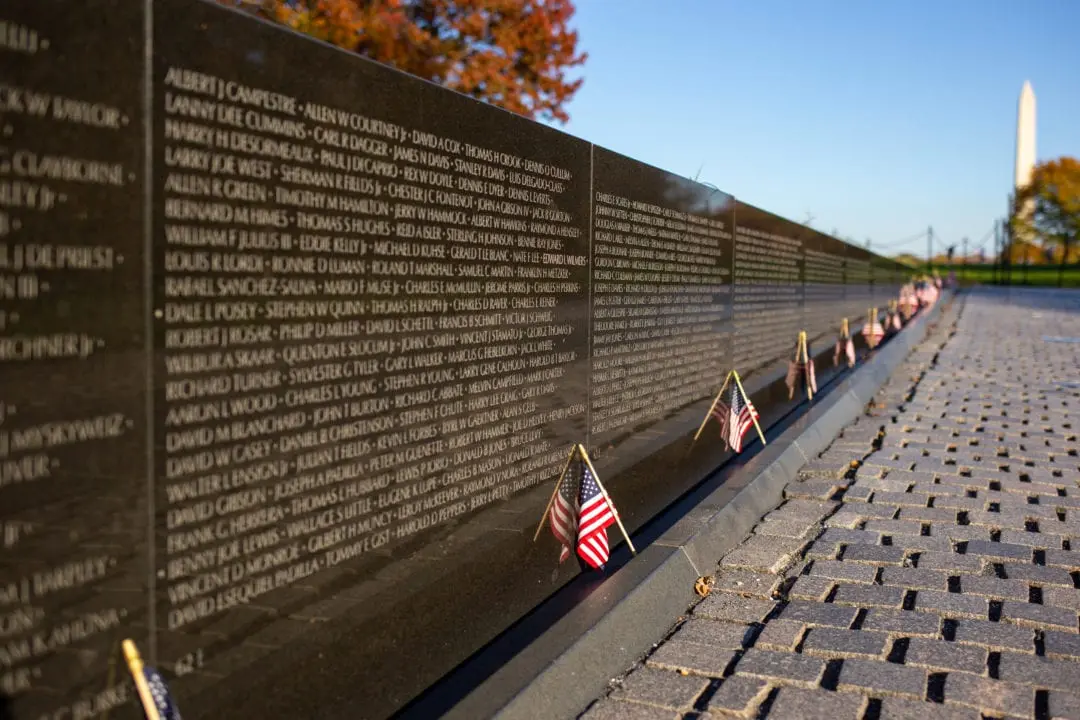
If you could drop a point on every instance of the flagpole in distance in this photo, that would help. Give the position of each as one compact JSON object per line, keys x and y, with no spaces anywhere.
{"x":558,"y":484}
{"x":607,"y":498}
{"x":746,"y":398}
{"x":135,"y":665}
{"x":713,"y":406}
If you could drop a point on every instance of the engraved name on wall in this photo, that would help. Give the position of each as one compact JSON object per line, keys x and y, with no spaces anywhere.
{"x":364,"y":330}
{"x":660,"y":294}
{"x":72,"y":397}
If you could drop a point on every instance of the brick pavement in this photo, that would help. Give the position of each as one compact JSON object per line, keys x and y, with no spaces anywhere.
{"x":923,"y":566}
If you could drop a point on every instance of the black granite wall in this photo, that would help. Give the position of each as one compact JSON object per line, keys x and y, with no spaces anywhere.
{"x":293,"y":347}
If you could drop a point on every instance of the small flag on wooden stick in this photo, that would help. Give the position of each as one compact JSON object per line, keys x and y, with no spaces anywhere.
{"x":157,"y":702}
{"x":580,"y":511}
{"x":872,"y":330}
{"x":845,"y":345}
{"x":801,"y":367}
{"x":735,"y":416}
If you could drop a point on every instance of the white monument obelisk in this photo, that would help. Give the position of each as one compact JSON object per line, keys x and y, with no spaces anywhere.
{"x":1025,"y":151}
{"x":1025,"y":136}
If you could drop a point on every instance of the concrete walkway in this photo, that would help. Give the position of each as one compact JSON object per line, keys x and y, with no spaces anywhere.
{"x":923,"y":566}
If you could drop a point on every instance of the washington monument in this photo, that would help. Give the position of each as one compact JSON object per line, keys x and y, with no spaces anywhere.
{"x":1025,"y":153}
{"x":1025,"y":137}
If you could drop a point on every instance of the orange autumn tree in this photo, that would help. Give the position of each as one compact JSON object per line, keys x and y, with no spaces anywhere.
{"x":511,"y":53}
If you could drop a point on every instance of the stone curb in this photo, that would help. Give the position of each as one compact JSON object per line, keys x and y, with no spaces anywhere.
{"x":559,"y":674}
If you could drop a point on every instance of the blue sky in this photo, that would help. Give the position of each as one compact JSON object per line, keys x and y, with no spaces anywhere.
{"x":877,"y":118}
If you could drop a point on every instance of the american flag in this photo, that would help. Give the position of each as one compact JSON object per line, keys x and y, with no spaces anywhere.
{"x":163,"y":700}
{"x":581,"y":515}
{"x":873,"y":332}
{"x":735,"y":419}
{"x":794,"y":369}
{"x":897,"y":323}
{"x":811,"y":377}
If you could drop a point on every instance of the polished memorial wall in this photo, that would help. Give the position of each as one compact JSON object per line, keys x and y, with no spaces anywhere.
{"x":293,"y":347}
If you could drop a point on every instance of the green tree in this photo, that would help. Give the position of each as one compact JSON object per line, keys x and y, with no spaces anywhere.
{"x":1049,"y":208}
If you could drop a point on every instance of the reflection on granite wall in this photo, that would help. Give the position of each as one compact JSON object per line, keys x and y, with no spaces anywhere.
{"x":294,"y":346}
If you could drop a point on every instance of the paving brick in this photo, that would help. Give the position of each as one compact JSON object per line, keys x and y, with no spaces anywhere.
{"x":894,"y":527}
{"x":955,"y":502}
{"x":858,"y":494}
{"x":996,"y":636}
{"x":989,"y":695}
{"x":734,"y":608}
{"x":816,"y":705}
{"x":848,"y":572}
{"x":1062,"y":597}
{"x":614,"y":710}
{"x":662,"y":688}
{"x":915,"y":578}
{"x":1063,"y":706}
{"x":876,"y":554}
{"x":1040,"y":672}
{"x":813,"y":490}
{"x":902,"y":622}
{"x":901,"y":499}
{"x":820,"y":614}
{"x":809,"y":587}
{"x":745,"y":582}
{"x":994,"y":588}
{"x":950,"y":562}
{"x":939,"y":655}
{"x":780,"y":635}
{"x":882,"y":483}
{"x":924,"y":543}
{"x":795,"y":529}
{"x":763,"y":552}
{"x":882,"y":678}
{"x":936,"y":514}
{"x":951,"y":604}
{"x":1031,"y":539}
{"x":964,"y":533}
{"x":999,"y":551}
{"x":902,"y":709}
{"x":1064,"y":559}
{"x":810,"y":510}
{"x":738,"y":695}
{"x":835,"y":643}
{"x":692,"y":657}
{"x":781,"y":667}
{"x":710,"y":632}
{"x":1061,"y":645}
{"x":869,"y":596}
{"x":845,"y":536}
{"x":848,"y":519}
{"x":1042,"y":616}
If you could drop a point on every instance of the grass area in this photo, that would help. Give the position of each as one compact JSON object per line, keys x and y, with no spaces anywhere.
{"x":1035,"y":275}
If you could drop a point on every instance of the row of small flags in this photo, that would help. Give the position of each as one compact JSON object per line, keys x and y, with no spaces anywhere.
{"x":580,"y":509}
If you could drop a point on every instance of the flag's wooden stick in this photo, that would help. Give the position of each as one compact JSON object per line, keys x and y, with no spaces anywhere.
{"x":746,"y":398}
{"x":135,"y":665}
{"x":712,"y":407}
{"x":798,"y":356}
{"x":614,"y":510}
{"x":558,"y":485}
{"x":806,"y":362}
